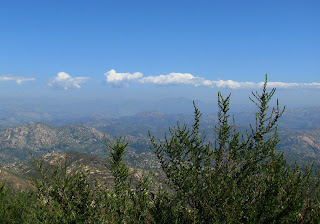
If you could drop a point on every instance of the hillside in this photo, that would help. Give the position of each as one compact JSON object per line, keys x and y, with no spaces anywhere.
{"x":302,"y":146}
{"x":16,"y":174}
{"x":40,"y":138}
{"x":16,"y":143}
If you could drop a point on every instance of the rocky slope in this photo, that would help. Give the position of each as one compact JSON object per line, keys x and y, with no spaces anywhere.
{"x":301,"y":146}
{"x":16,"y":143}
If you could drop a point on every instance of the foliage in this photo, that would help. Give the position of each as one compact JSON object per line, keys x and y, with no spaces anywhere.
{"x":126,"y":205}
{"x":13,"y":204}
{"x":63,"y":196}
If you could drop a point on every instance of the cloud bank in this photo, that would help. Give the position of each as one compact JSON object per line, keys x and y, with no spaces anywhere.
{"x":18,"y":80}
{"x":124,"y":79}
{"x":65,"y":81}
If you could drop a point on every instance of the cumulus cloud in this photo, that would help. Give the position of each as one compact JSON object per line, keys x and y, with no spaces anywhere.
{"x":174,"y":79}
{"x":123,"y":80}
{"x":18,"y":80}
{"x":65,"y":81}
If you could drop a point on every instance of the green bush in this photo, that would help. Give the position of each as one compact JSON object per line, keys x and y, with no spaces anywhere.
{"x":62,"y":196}
{"x":15,"y":204}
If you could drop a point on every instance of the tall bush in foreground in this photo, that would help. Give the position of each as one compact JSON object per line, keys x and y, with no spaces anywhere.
{"x":125,"y":203}
{"x":63,"y":196}
{"x":237,"y":178}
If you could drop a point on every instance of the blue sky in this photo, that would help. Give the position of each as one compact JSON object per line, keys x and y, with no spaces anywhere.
{"x":121,"y":50}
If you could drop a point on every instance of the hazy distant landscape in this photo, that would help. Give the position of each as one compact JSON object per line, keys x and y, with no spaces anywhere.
{"x":298,"y":132}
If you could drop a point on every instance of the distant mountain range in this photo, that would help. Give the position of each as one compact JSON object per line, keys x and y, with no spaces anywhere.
{"x":41,"y":138}
{"x":87,"y":140}
{"x":298,"y":118}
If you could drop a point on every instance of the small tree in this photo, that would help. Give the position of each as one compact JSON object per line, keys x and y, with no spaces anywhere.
{"x":129,"y":204}
{"x":120,"y":171}
{"x":236,"y":178}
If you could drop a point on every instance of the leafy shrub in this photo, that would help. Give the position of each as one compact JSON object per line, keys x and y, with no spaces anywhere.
{"x":62,"y":196}
{"x":15,"y":204}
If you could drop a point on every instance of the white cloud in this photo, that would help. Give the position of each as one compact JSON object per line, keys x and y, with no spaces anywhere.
{"x":18,"y":80}
{"x":65,"y":81}
{"x":247,"y":85}
{"x":291,"y":85}
{"x":174,"y":79}
{"x":312,"y":85}
{"x":231,"y":84}
{"x":121,"y":79}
